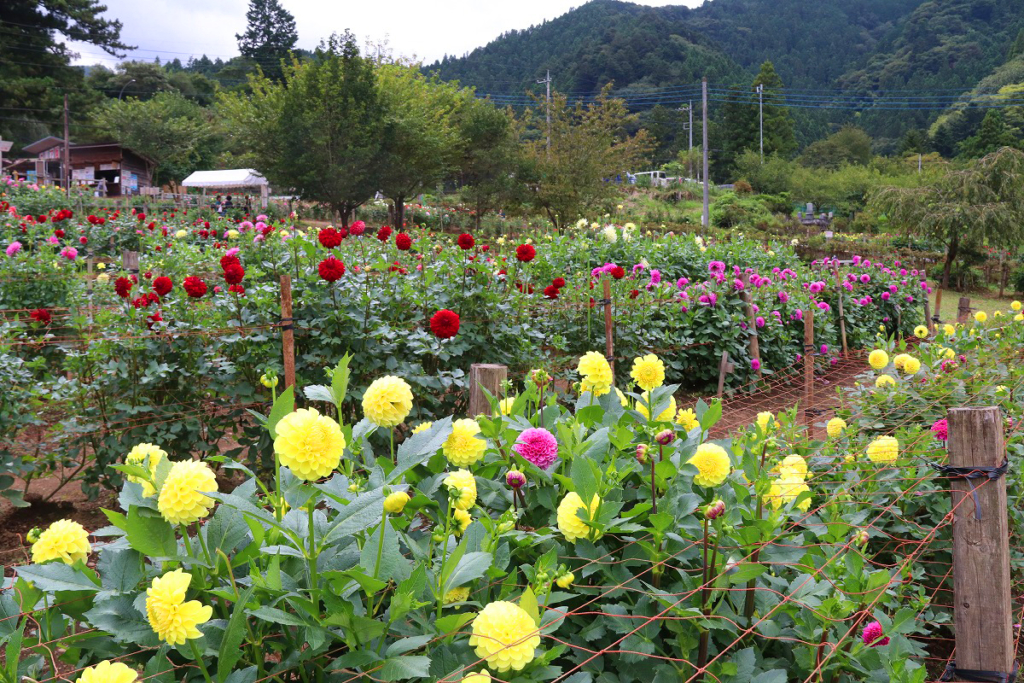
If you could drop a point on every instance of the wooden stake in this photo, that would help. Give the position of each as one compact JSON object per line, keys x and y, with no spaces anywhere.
{"x":484,"y":376}
{"x":808,"y":366}
{"x":981,"y":555}
{"x":287,"y":331}
{"x":724,"y":368}
{"x":842,"y":316}
{"x":963,"y":311}
{"x":609,"y":338}
{"x":755,"y":347}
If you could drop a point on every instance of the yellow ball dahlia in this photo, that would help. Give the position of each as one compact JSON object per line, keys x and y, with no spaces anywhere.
{"x":462,"y":521}
{"x":387,"y":401}
{"x":309,"y":444}
{"x":884,"y":449}
{"x":396,"y":502}
{"x":884,"y":381}
{"x":596,"y":389}
{"x":422,"y":427}
{"x":462,"y":447}
{"x":505,"y":636}
{"x":505,"y":405}
{"x":713,"y":464}
{"x":174,"y":620}
{"x":1016,"y":305}
{"x":181,"y":499}
{"x":899,"y":359}
{"x":949,"y":330}
{"x":921,"y":332}
{"x":878,"y":359}
{"x":108,"y":672}
{"x":594,"y":367}
{"x":835,"y":427}
{"x":981,"y":316}
{"x":569,"y":522}
{"x":912,"y":366}
{"x":137,"y":456}
{"x":63,"y":540}
{"x":478,"y":677}
{"x":785,"y":490}
{"x":793,"y":467}
{"x":465,"y":483}
{"x":687,"y":419}
{"x":648,"y":372}
{"x":664,"y":416}
{"x":766,"y":421}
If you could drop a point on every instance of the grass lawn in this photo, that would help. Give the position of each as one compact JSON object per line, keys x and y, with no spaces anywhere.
{"x":988,"y":302}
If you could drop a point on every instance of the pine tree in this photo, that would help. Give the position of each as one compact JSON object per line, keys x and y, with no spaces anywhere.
{"x":741,"y":122}
{"x":269,"y":36}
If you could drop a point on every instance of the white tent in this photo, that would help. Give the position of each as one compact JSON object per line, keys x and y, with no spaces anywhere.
{"x":229,"y":179}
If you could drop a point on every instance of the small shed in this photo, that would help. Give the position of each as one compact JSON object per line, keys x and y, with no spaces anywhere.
{"x":109,"y":169}
{"x":230,"y":179}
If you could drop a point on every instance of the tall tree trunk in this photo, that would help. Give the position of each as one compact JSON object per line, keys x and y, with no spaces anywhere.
{"x":399,"y":213}
{"x":951,"y":253}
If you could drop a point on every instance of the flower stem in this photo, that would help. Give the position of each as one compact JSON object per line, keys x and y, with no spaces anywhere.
{"x":199,"y":660}
{"x":314,"y":590}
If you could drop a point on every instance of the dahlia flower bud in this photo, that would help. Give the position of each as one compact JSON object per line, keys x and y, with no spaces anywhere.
{"x":665,"y":437}
{"x":540,"y":377}
{"x":396,"y":502}
{"x":33,"y":535}
{"x":641,"y":453}
{"x":860,"y":537}
{"x":269,"y":380}
{"x":715,"y":510}
{"x":515,"y":479}
{"x":565,"y":580}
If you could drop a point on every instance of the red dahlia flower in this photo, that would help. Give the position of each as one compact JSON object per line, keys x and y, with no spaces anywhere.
{"x":558,"y":282}
{"x":236,"y":289}
{"x":329,"y":237}
{"x":331,"y":269}
{"x":42,"y":316}
{"x":226,"y":261}
{"x":154,"y":318}
{"x":123,"y":286}
{"x":357,"y":228}
{"x":384,"y":233}
{"x":403,"y":242}
{"x":58,"y":233}
{"x":140,"y":217}
{"x":234,"y":273}
{"x":551,"y":292}
{"x":444,"y":324}
{"x":194,"y":286}
{"x":618,"y":272}
{"x":466,"y":241}
{"x":525,"y":252}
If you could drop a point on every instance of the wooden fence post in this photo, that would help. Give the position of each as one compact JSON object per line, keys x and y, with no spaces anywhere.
{"x":609,"y":338}
{"x":808,"y":366}
{"x":724,"y":368}
{"x":287,"y":331}
{"x":982,"y":611}
{"x":842,"y":314}
{"x":484,"y":376}
{"x":963,"y":310}
{"x":755,"y":347}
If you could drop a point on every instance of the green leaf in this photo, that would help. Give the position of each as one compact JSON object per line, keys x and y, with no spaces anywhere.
{"x":284,"y":404}
{"x":120,"y":570}
{"x":339,"y":380}
{"x":381,"y":558}
{"x":58,"y":577}
{"x":230,"y":645}
{"x":453,"y":623}
{"x":276,"y":616}
{"x":528,"y":603}
{"x":151,"y":535}
{"x":403,"y":645}
{"x":584,"y":478}
{"x":119,"y":617}
{"x":402,"y":668}
{"x":471,"y":566}
{"x":9,"y":614}
{"x":746,"y":572}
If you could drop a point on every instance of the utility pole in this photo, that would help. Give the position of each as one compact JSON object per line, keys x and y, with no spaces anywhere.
{"x":689,"y":127}
{"x":760,"y":114}
{"x":705,"y":217}
{"x":67,"y":151}
{"x":919,"y":157}
{"x":547,"y":100}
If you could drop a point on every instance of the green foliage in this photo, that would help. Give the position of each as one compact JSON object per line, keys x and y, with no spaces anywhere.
{"x":849,"y":146}
{"x":269,"y":36}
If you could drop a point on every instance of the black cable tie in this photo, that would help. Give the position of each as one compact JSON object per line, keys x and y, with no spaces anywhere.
{"x":952,"y":672}
{"x":970,"y":474}
{"x":287,"y":323}
{"x":604,"y":302}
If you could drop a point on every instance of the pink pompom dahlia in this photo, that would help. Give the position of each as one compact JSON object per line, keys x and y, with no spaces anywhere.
{"x":538,"y":446}
{"x":873,"y":635}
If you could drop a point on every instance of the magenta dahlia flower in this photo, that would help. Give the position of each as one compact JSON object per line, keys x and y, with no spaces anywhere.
{"x":538,"y":446}
{"x":873,"y":635}
{"x":941,"y":429}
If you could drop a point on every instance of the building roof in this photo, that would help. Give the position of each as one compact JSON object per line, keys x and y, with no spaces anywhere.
{"x":236,"y":177}
{"x":40,"y":146}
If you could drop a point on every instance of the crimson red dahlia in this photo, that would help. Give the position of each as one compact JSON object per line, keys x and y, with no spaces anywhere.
{"x":403,"y":242}
{"x":331,"y":269}
{"x":162,"y":285}
{"x":551,"y":292}
{"x":194,"y":286}
{"x":618,"y":272}
{"x":237,"y":289}
{"x":558,"y":282}
{"x":357,"y":228}
{"x":123,"y":286}
{"x":384,"y":233}
{"x":234,"y":273}
{"x":329,"y":238}
{"x":466,"y":241}
{"x":444,"y":324}
{"x":226,"y":261}
{"x":42,"y":316}
{"x":525,"y":252}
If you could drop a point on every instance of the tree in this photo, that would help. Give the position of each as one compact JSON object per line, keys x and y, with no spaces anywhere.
{"x":421,"y":141}
{"x":269,"y":36}
{"x":914,"y":142}
{"x":319,"y":133}
{"x":991,"y":135}
{"x":140,"y":80}
{"x":492,"y":169}
{"x":741,"y":122}
{"x":176,"y":133}
{"x":850,"y":145}
{"x":36,"y":61}
{"x":589,"y":150}
{"x":981,"y":204}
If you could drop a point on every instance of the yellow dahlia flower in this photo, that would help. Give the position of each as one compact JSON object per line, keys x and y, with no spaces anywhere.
{"x":396,"y":502}
{"x":687,"y":419}
{"x":137,"y":456}
{"x":505,"y":636}
{"x":505,"y":405}
{"x":766,"y":421}
{"x":878,"y":359}
{"x":664,"y":416}
{"x":594,"y":367}
{"x":478,"y":677}
{"x":387,"y":401}
{"x":981,"y":316}
{"x":460,"y":594}
{"x":181,"y":499}
{"x":714,"y":465}
{"x":785,"y":490}
{"x":462,"y":521}
{"x":63,"y":540}
{"x":180,"y":234}
{"x":464,"y":481}
{"x":1016,"y":306}
{"x":835,"y":427}
{"x":596,"y":389}
{"x":899,"y":359}
{"x":232,"y":234}
{"x":648,"y":372}
{"x":174,"y":620}
{"x":792,"y":467}
{"x":422,"y":427}
{"x":911,"y":366}
{"x":462,"y":447}
{"x":1019,"y":317}
{"x":108,"y":672}
{"x":884,"y":449}
{"x":884,"y":381}
{"x":570,"y":524}
{"x":949,"y":330}
{"x":921,"y":332}
{"x":309,"y":444}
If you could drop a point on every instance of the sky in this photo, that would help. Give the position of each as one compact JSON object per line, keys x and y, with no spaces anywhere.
{"x":426,"y":29}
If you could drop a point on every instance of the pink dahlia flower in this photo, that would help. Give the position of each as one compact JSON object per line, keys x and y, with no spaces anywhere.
{"x":538,"y":446}
{"x":873,"y":635}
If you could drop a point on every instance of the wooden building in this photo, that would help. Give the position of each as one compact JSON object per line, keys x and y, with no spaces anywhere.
{"x":109,"y":169}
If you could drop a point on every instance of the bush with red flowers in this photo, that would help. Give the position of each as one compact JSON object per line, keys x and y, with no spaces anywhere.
{"x":525,"y":253}
{"x":466,"y":241}
{"x":331,"y":269}
{"x":194,"y":286}
{"x":162,"y":285}
{"x":403,"y":242}
{"x":444,"y":324}
{"x":123,"y":286}
{"x":329,"y":238}
{"x":234,"y":273}
{"x":384,"y":233}
{"x":551,"y":292}
{"x":43,"y":317}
